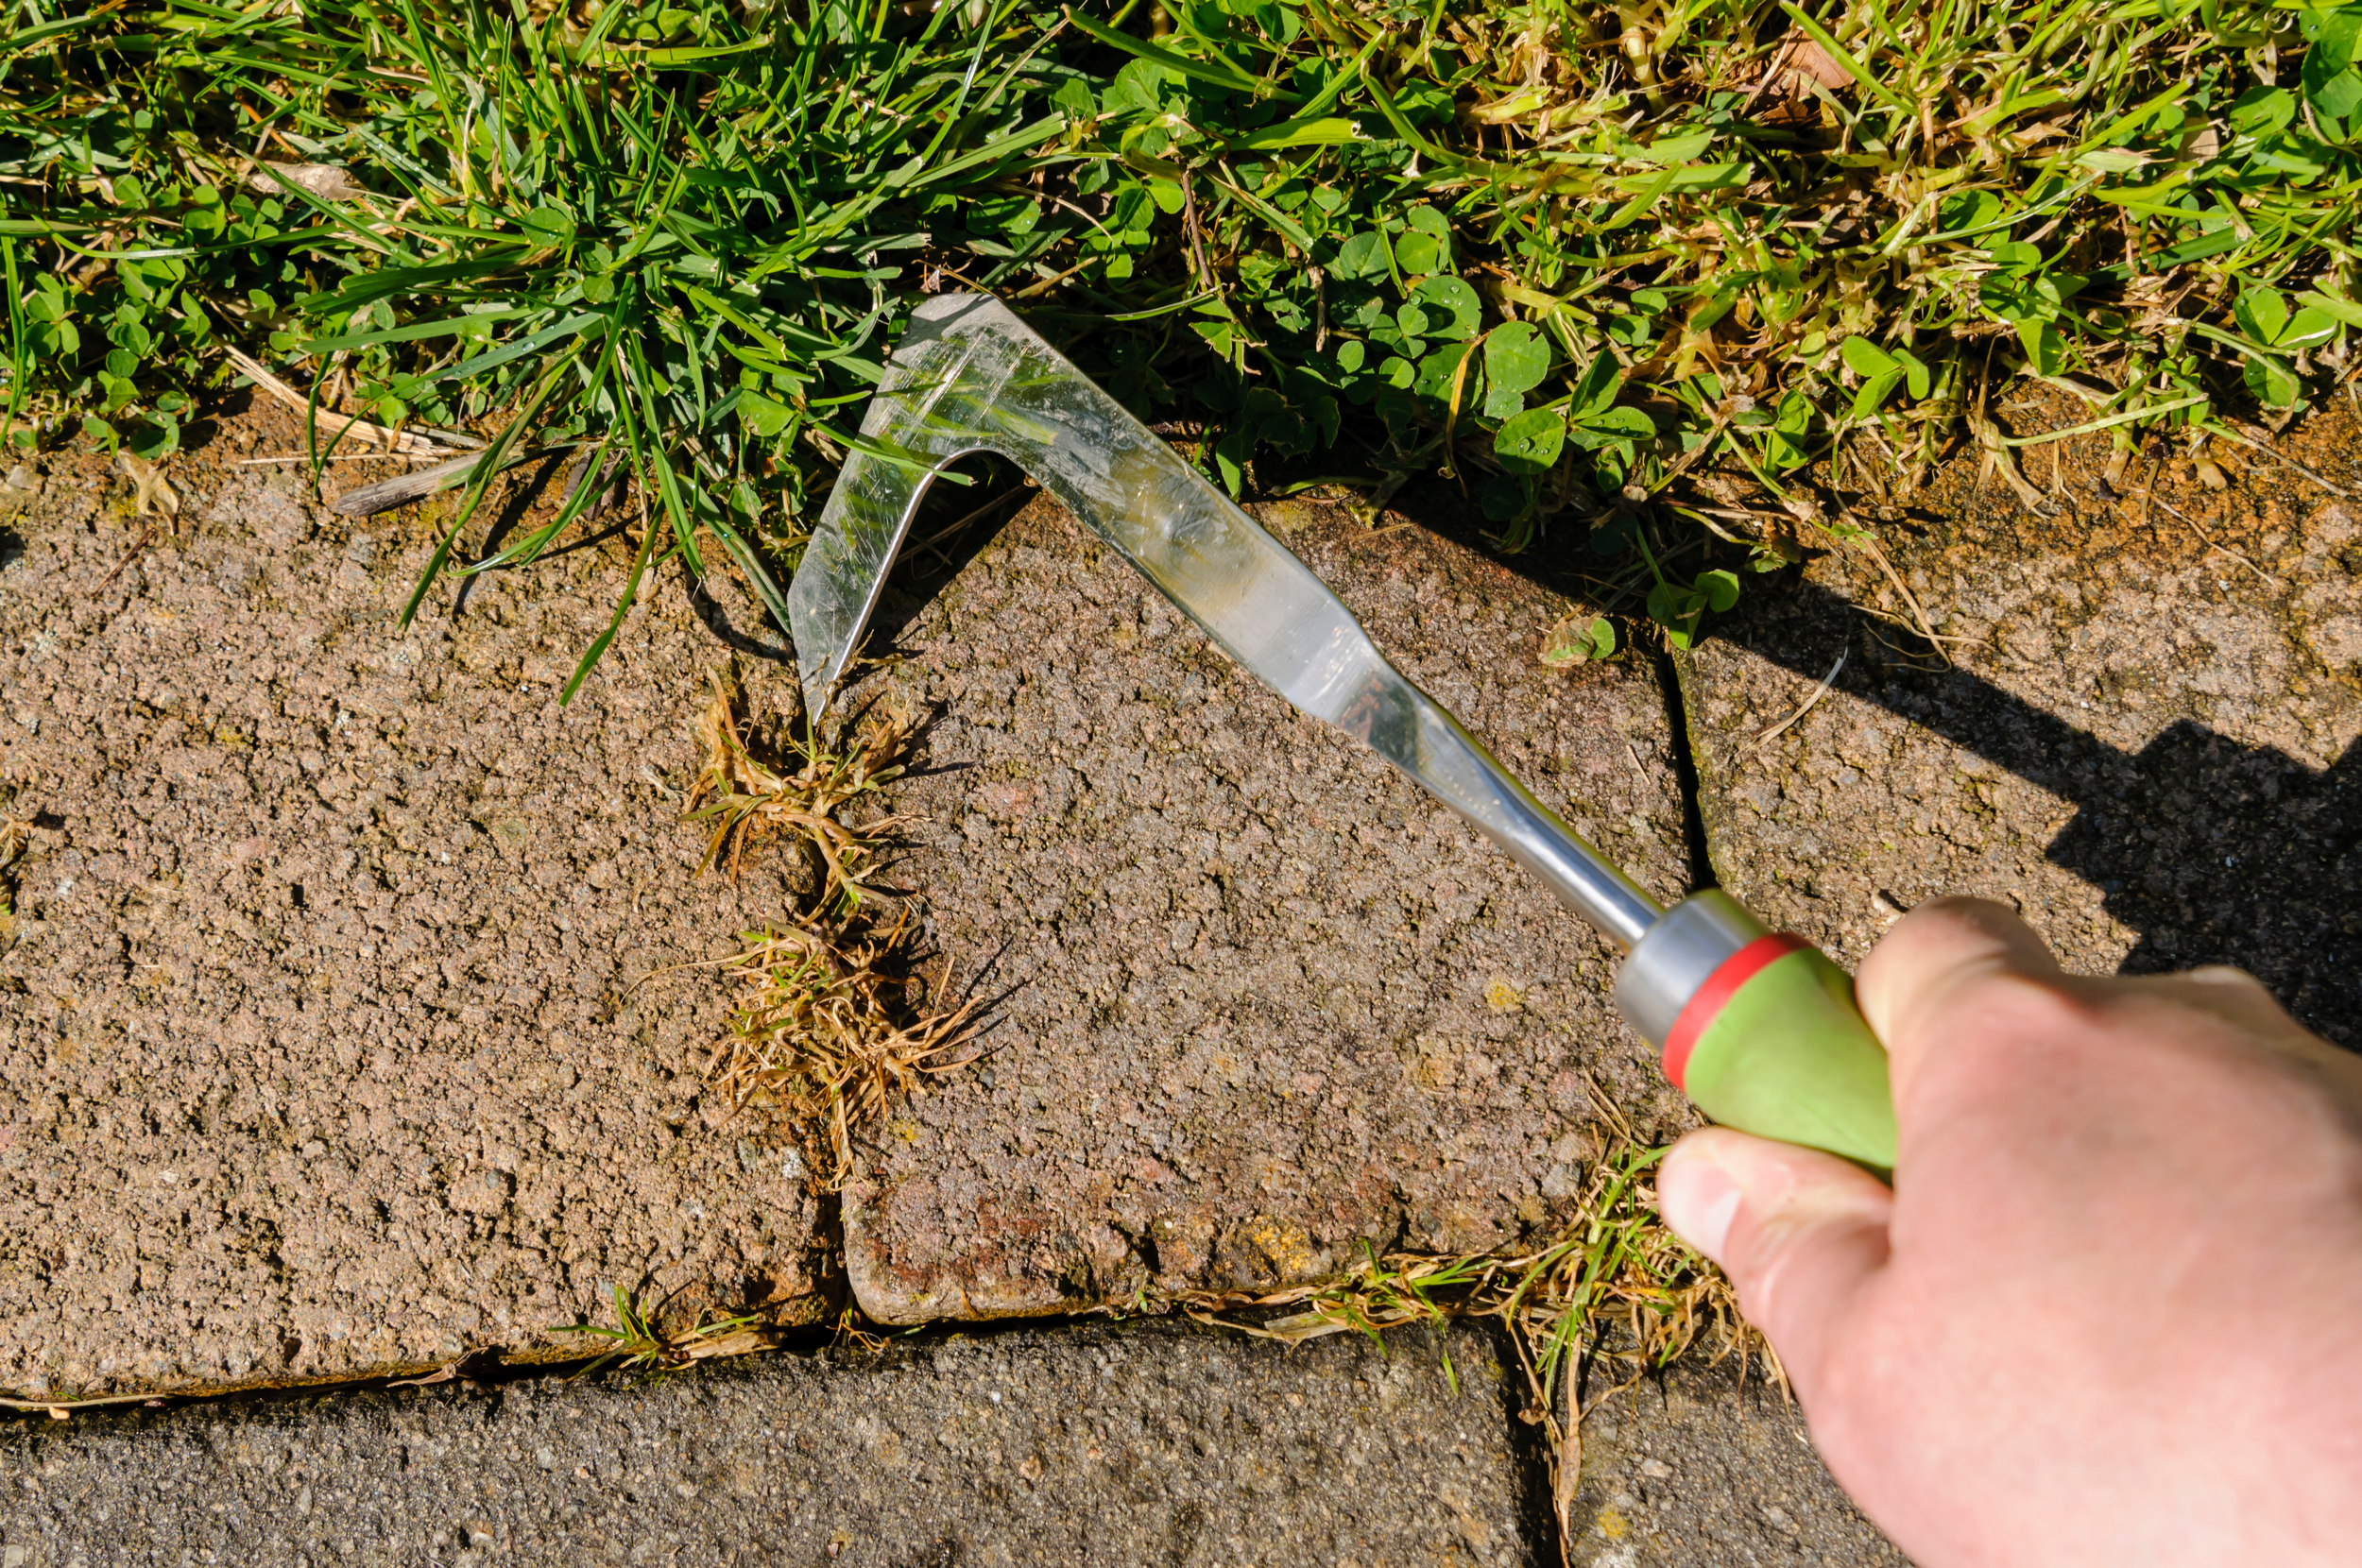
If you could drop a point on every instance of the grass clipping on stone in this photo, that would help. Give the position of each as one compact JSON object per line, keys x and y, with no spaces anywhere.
{"x":1615,"y":1291}
{"x":831,"y":1028}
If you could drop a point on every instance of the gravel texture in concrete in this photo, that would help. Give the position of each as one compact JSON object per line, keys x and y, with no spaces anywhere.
{"x":1144,"y":1445}
{"x":1262,"y":1000}
{"x":319,"y":1030}
{"x":1698,"y":1470}
{"x":2148,"y":740}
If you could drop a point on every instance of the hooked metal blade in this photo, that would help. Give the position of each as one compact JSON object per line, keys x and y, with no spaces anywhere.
{"x":970,"y":377}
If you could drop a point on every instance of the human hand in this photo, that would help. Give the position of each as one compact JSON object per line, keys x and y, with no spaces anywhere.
{"x":2110,"y":1311}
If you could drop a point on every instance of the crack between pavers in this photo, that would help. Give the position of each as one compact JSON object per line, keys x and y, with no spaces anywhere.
{"x":1701,"y":872}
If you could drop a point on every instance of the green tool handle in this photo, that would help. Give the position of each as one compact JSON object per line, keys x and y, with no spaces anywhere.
{"x":1760,"y":1030}
{"x":1786,"y":1055}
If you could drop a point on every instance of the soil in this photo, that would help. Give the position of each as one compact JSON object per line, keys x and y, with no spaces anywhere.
{"x":321,"y":1011}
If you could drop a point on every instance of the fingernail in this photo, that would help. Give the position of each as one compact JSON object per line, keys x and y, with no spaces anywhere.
{"x":1698,"y":1200}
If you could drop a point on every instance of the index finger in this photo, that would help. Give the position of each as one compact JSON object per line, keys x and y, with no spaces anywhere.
{"x":1919,"y":973}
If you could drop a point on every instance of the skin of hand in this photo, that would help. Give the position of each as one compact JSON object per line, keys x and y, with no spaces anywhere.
{"x":2111,"y":1310}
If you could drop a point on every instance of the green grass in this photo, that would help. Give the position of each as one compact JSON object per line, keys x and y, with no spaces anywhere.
{"x":1597,"y":263}
{"x":641,"y":1346}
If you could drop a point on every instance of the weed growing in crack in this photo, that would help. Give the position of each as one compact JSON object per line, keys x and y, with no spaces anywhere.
{"x":748,"y":800}
{"x":831,"y":1031}
{"x":641,"y":1345}
{"x":828,"y":1037}
{"x":1615,"y":1289}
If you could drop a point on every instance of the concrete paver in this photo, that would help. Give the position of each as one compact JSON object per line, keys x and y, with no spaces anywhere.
{"x":1261,"y":1001}
{"x":319,"y":1030}
{"x":2147,"y":745}
{"x":1128,"y":1444}
{"x":1698,"y":1470}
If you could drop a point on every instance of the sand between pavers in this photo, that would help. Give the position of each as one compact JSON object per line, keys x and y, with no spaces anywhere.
{"x":1261,"y":1001}
{"x":318,"y":1030}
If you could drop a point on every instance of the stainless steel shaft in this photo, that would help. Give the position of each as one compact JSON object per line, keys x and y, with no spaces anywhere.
{"x":970,"y":377}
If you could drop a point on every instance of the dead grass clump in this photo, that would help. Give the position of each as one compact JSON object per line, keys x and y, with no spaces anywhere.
{"x":749,"y":799}
{"x":832,"y":1025}
{"x":828,"y":1037}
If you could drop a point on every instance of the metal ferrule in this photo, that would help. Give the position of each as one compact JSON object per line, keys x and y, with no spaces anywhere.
{"x":1680,"y":953}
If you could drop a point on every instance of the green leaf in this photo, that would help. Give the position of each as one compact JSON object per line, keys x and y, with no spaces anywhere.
{"x":1297,"y":133}
{"x":1678,"y":610}
{"x":2339,"y":96}
{"x":1230,"y":455}
{"x":1452,"y":306}
{"x":1874,"y":392}
{"x":765,"y":417}
{"x":2309,"y":328}
{"x":1531,"y":442}
{"x":1597,"y":390}
{"x":1720,"y":589}
{"x":2262,"y":314}
{"x":2045,"y":349}
{"x":550,"y":225}
{"x":1417,"y":253}
{"x":2331,"y":38}
{"x":1361,"y":256}
{"x":2260,"y":109}
{"x":1865,"y":357}
{"x":2274,"y":384}
{"x":1516,"y":357}
{"x":1917,"y":370}
{"x":1627,"y":423}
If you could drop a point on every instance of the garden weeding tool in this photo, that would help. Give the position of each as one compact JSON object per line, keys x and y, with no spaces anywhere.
{"x":1757,"y":1027}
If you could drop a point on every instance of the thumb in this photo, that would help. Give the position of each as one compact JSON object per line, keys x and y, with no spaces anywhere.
{"x":1799,"y":1232}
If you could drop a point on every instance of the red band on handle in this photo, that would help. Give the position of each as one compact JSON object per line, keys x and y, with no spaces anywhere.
{"x":1720,"y":987}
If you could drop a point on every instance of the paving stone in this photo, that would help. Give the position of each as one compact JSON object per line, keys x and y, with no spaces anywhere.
{"x":2145,"y":745}
{"x":1699,"y":1469}
{"x":318,"y":1028}
{"x":1261,"y":1001}
{"x":1123,"y":1444}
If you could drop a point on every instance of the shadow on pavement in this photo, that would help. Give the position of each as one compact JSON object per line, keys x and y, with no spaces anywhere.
{"x":2214,"y":850}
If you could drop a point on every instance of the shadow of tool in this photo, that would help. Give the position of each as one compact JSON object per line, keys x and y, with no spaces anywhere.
{"x":2214,"y":850}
